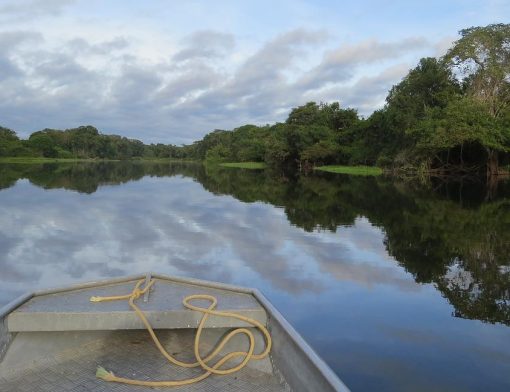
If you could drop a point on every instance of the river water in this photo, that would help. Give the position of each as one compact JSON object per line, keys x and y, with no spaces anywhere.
{"x":398,"y":286}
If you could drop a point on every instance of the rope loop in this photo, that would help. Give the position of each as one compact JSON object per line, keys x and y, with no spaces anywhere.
{"x":204,"y":363}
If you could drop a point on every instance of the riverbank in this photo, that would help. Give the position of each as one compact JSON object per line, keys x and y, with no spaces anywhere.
{"x":245,"y":165}
{"x":32,"y":160}
{"x":46,"y":160}
{"x":353,"y":170}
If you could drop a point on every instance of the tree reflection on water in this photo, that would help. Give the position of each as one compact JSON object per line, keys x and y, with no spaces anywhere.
{"x":455,"y":235}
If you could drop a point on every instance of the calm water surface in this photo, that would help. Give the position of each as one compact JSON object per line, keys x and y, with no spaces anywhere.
{"x":397,"y":287}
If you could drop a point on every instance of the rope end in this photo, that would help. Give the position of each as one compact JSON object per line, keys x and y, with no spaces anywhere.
{"x":103,"y":374}
{"x":95,"y":299}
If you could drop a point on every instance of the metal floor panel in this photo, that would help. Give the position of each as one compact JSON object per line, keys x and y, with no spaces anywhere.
{"x":71,"y":364}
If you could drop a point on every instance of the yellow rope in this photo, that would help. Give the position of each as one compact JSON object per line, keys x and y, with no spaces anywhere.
{"x":202,"y":362}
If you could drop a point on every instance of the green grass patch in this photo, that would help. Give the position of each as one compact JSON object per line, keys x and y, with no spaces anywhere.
{"x":245,"y":165}
{"x":354,"y":170}
{"x":163,"y":160}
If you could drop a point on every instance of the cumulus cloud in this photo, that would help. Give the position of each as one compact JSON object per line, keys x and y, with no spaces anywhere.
{"x":25,"y":9}
{"x":12,"y":39}
{"x":269,"y":64}
{"x":80,"y":47}
{"x":205,"y":44}
{"x":368,"y":92}
{"x":339,"y":65}
{"x":171,"y":74}
{"x":181,"y":96}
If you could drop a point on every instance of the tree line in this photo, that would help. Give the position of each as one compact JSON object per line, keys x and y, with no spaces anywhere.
{"x":82,"y":143}
{"x":449,"y":115}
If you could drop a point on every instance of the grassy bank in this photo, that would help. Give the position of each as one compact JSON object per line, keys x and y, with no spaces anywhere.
{"x":354,"y":170}
{"x":70,"y":160}
{"x":245,"y":165}
{"x":163,"y":160}
{"x":43,"y":160}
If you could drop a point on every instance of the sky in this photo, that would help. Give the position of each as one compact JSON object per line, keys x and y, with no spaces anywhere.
{"x":172,"y":71}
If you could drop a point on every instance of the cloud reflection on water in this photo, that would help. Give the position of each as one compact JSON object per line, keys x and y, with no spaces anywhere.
{"x":171,"y":225}
{"x":319,"y":259}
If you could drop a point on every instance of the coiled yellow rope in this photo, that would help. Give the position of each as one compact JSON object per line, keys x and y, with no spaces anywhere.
{"x":202,"y":362}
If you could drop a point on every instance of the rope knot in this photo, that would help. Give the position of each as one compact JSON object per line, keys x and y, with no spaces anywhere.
{"x":137,"y":293}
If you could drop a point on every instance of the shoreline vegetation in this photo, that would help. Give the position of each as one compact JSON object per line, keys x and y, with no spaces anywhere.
{"x":352,"y":170}
{"x":28,"y":160}
{"x":35,"y":160}
{"x":245,"y":165}
{"x":449,"y":116}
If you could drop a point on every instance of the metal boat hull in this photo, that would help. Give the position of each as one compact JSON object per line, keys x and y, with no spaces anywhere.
{"x":45,"y":345}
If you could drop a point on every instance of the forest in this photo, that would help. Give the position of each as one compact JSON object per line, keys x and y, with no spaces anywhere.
{"x":447,"y":116}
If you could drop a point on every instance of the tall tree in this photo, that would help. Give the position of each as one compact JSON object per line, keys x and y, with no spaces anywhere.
{"x":9,"y":142}
{"x":428,"y":85}
{"x":481,"y":59}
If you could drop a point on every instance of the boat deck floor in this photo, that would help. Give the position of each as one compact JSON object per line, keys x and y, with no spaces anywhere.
{"x":70,"y":363}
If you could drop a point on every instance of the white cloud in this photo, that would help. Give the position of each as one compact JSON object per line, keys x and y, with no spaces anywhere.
{"x":340,"y":64}
{"x":205,"y":44}
{"x":161,"y":74}
{"x":179,"y":97}
{"x":28,"y":9}
{"x":366,"y":93}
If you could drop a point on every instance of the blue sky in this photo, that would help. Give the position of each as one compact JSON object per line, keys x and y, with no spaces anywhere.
{"x":172,"y":71}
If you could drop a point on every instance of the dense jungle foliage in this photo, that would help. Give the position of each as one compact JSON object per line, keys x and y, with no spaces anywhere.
{"x":449,"y":115}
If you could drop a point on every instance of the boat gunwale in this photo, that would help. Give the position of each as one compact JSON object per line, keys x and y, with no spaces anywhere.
{"x":14,"y":304}
{"x":307,"y":350}
{"x":17,"y":302}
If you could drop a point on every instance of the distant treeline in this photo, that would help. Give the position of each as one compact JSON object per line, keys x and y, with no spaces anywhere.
{"x":448,"y":115}
{"x":82,"y":143}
